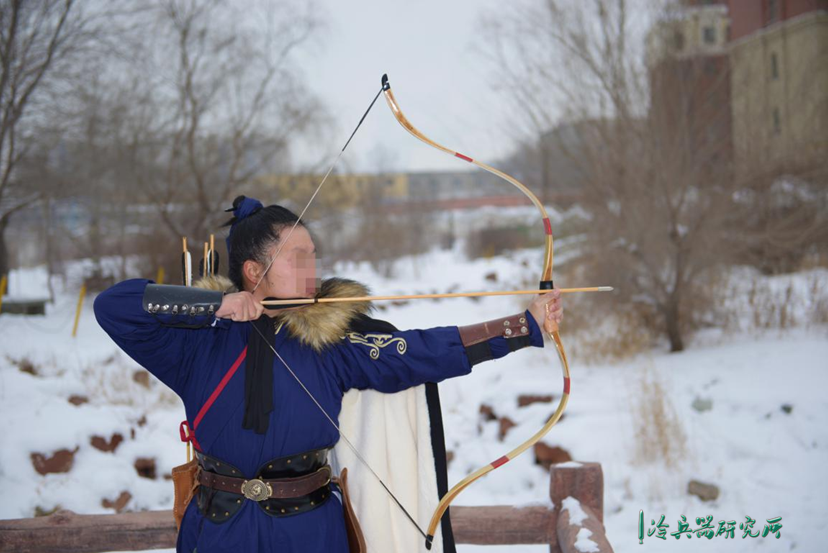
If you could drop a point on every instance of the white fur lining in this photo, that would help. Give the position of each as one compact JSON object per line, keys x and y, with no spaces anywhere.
{"x":393,"y":433}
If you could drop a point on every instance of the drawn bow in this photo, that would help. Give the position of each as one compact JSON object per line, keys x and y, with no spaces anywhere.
{"x":545,"y":284}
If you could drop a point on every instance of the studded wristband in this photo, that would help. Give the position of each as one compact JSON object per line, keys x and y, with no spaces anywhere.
{"x":510,"y":327}
{"x":183,"y":306}
{"x":496,"y":338}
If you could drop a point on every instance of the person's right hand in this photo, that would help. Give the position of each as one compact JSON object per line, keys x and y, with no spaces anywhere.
{"x":240,"y":306}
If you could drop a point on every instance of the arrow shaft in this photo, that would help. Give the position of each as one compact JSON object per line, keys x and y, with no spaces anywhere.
{"x":433,"y":296}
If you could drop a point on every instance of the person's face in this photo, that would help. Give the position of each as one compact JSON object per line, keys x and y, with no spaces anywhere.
{"x":293,"y":272}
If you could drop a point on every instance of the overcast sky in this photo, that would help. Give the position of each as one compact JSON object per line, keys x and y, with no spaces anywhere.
{"x":426,"y":47}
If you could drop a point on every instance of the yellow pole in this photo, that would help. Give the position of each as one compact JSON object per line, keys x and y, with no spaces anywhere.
{"x":159,"y":278}
{"x":3,"y":282}
{"x":212,"y":254}
{"x":78,"y":311}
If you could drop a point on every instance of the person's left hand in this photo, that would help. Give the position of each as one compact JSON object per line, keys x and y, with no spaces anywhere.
{"x":546,"y":308}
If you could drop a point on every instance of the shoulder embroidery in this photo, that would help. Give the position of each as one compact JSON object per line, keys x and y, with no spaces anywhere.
{"x":377,"y":341}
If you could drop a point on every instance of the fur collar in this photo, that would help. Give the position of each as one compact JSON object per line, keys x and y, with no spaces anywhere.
{"x":317,"y":325}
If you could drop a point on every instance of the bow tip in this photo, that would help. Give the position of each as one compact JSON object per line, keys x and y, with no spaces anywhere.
{"x":385,"y":84}
{"x":429,"y":540}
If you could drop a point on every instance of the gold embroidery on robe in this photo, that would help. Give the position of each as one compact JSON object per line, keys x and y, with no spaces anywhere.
{"x":377,"y":341}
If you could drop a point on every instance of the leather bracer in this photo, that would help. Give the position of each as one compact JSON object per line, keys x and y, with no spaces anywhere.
{"x":509,"y":327}
{"x":181,"y":306}
{"x":516,"y":330}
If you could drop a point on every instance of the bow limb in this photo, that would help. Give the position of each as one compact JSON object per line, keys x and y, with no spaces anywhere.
{"x":548,"y":260}
{"x":546,"y":283}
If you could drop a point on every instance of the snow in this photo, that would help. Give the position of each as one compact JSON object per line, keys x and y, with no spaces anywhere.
{"x":767,"y":462}
{"x":583,"y":543}
{"x":576,"y":513}
{"x":576,"y":517}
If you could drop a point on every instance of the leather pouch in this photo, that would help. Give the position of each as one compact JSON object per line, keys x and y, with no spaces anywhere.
{"x":185,"y":482}
{"x":356,"y":541}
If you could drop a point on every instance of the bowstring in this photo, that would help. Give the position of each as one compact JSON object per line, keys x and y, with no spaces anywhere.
{"x":318,"y":188}
{"x":293,"y":374}
{"x":341,"y":434}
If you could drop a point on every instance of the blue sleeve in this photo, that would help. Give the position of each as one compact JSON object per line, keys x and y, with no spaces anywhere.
{"x":165,"y":351}
{"x":390,"y":362}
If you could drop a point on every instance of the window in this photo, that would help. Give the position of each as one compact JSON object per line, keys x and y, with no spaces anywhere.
{"x":709,"y":35}
{"x":774,"y":67}
{"x":773,"y":10}
{"x":777,"y":122}
{"x":678,"y":41}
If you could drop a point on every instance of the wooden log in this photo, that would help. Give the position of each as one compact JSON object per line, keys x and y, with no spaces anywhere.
{"x":573,"y":534}
{"x":583,"y":481}
{"x":24,"y":307}
{"x":68,"y":532}
{"x":503,"y":525}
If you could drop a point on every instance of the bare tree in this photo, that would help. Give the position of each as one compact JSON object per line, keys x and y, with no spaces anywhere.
{"x":228,"y":103}
{"x":153,"y":138}
{"x":37,"y":37}
{"x":641,"y":135}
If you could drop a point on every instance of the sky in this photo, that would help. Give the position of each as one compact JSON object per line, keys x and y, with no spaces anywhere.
{"x":427,"y":49}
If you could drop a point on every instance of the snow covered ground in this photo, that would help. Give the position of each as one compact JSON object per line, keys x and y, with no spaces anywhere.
{"x":762,"y":441}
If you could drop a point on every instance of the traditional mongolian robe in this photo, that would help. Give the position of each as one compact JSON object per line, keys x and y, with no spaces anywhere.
{"x":332,"y":348}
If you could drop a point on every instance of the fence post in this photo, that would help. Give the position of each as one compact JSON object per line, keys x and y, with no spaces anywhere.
{"x":583,"y":482}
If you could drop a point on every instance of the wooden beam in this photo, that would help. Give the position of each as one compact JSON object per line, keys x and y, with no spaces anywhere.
{"x":504,"y":525}
{"x":583,"y":481}
{"x":68,"y":532}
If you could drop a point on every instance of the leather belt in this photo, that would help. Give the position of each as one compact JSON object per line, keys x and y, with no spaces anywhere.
{"x":260,"y":489}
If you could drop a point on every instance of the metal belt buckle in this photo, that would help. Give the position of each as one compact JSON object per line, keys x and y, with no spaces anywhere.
{"x":256,"y":489}
{"x":328,"y":469}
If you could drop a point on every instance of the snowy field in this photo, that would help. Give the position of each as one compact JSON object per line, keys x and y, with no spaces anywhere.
{"x":759,"y":429}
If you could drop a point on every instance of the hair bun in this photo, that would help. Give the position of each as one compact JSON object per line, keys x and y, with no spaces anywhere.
{"x":244,"y":207}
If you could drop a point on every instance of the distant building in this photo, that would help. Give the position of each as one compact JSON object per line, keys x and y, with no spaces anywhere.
{"x":423,"y":190}
{"x":751,"y":78}
{"x":694,"y":28}
{"x":340,"y":191}
{"x":689,"y":70}
{"x":779,"y":82}
{"x":453,"y":185}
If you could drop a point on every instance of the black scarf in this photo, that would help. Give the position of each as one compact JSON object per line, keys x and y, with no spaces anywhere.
{"x":258,"y":376}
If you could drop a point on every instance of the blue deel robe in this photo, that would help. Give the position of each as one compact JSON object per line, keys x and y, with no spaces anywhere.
{"x":192,"y":362}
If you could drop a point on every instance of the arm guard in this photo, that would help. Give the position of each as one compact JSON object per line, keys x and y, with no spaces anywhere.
{"x":485,"y":341}
{"x":181,"y":306}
